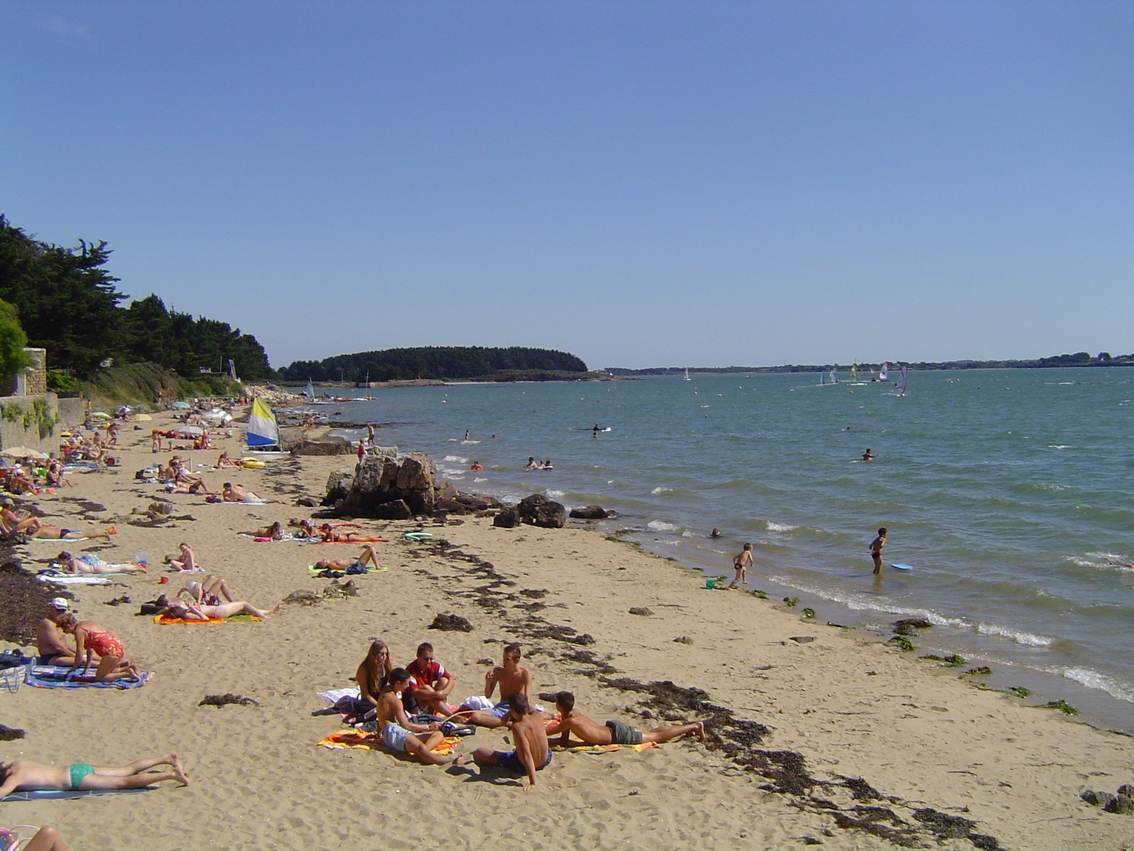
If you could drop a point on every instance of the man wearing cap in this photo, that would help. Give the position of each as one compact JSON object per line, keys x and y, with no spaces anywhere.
{"x":52,"y":644}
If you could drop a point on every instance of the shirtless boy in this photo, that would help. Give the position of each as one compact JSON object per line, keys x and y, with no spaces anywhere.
{"x":398,"y":732}
{"x":513,"y":678}
{"x":532,"y":752}
{"x":742,"y":561}
{"x":876,"y":549}
{"x":369,"y":555}
{"x":613,"y":732}
{"x":25,"y":776}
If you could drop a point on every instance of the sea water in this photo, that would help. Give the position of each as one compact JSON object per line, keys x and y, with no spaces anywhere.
{"x":1010,"y":492}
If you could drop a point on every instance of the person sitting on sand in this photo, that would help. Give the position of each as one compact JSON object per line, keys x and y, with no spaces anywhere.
{"x":613,"y":732}
{"x":89,"y":564}
{"x":368,"y":556}
{"x":182,"y":476}
{"x":192,"y":612}
{"x":26,"y":776}
{"x":237,"y":493}
{"x":39,"y":529}
{"x":47,"y":838}
{"x":55,"y":474}
{"x":331,"y":535}
{"x":307,"y":530}
{"x":529,"y":735}
{"x":429,"y":684}
{"x":51,"y":643}
{"x":274,"y":532}
{"x":14,"y":521}
{"x":224,"y":461}
{"x":92,"y":638}
{"x":372,"y":676}
{"x":513,"y":678}
{"x":398,"y":731}
{"x":187,"y":563}
{"x":207,"y":592}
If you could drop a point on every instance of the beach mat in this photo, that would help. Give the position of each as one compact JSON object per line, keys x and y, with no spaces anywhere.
{"x":339,"y":574}
{"x":166,"y":620}
{"x":74,"y":579}
{"x":67,"y":794}
{"x":373,"y":741}
{"x":55,"y":676}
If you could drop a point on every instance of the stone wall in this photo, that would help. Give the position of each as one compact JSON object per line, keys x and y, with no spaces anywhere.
{"x":20,"y":423}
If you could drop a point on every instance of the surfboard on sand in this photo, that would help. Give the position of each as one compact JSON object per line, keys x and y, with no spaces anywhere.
{"x":902,"y":566}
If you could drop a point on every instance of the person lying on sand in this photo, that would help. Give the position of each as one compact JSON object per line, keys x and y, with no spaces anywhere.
{"x":224,"y":461}
{"x":26,"y":776}
{"x":237,"y":493}
{"x":307,"y":530}
{"x":275,"y":532}
{"x":93,"y":638}
{"x":613,"y":732}
{"x":207,"y":592}
{"x":331,"y":535}
{"x":513,"y":678}
{"x":39,"y":529}
{"x":398,"y":732}
{"x":192,"y":612}
{"x":89,"y":564}
{"x":532,"y":753}
{"x":368,"y":556}
{"x":187,"y":563}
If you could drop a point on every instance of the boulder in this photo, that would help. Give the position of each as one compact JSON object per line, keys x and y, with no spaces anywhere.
{"x":509,"y":518}
{"x":590,"y":512}
{"x":382,"y":479}
{"x":538,"y":510}
{"x":338,"y":486}
{"x":1096,"y":799}
{"x":1120,"y":804}
{"x":325,"y":445}
{"x":396,"y":510}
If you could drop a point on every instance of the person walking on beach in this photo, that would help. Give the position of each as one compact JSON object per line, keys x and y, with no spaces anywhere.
{"x":741,"y":562}
{"x":876,"y":549}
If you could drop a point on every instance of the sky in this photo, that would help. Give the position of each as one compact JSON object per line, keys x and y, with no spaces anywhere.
{"x":640,"y":184}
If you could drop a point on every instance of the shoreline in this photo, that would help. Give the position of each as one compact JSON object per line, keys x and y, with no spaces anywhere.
{"x":851,"y":708}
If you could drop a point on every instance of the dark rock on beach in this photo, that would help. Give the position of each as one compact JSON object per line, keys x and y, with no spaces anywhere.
{"x":451,"y":623}
{"x":590,"y":512}
{"x":383,"y":478}
{"x":509,"y":518}
{"x":538,"y":510}
{"x":1097,"y":799}
{"x":909,"y":626}
{"x":338,"y":486}
{"x":25,"y":601}
{"x":1120,"y":804}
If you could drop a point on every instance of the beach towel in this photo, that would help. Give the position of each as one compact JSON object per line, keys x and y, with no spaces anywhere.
{"x":67,"y":794}
{"x":55,"y":676}
{"x":373,"y":741}
{"x":335,"y":695}
{"x":287,"y":536}
{"x":331,"y":573}
{"x":74,"y":579}
{"x":166,"y":620}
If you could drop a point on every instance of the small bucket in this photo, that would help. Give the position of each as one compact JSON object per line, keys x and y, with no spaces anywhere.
{"x":711,"y":582}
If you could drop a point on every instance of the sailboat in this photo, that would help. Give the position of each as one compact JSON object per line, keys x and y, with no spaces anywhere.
{"x":835,"y":374}
{"x":263,"y":437}
{"x":900,"y":386}
{"x":883,"y":374}
{"x":687,"y":378}
{"x":854,"y":377}
{"x":309,"y":391}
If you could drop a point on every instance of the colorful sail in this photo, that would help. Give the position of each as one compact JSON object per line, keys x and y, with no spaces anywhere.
{"x":310,"y":391}
{"x":262,"y":427}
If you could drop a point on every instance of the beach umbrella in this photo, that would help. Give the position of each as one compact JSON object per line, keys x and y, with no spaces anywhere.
{"x":23,"y":452}
{"x":181,"y":406}
{"x":100,"y":415}
{"x":190,"y":431}
{"x":143,"y":418}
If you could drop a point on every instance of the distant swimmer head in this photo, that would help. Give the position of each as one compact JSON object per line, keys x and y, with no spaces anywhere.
{"x":716,"y":533}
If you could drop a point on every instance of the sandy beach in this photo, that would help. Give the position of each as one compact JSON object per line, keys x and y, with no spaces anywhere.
{"x":817,"y":736}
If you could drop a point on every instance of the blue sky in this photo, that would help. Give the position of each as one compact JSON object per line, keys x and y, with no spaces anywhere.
{"x":641,"y":184}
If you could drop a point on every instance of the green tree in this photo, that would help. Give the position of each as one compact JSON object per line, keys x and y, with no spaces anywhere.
{"x":13,"y":358}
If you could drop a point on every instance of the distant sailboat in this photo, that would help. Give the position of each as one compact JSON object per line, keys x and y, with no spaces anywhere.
{"x":310,"y":391}
{"x":854,"y":372}
{"x":835,"y":374}
{"x":687,"y":378}
{"x":900,"y":386}
{"x":883,"y":373}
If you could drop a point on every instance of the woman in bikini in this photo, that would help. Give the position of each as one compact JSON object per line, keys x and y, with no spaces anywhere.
{"x":24,"y":775}
{"x":191,"y":612}
{"x":274,"y":532}
{"x":208,"y":592}
{"x":95,"y":639}
{"x":224,"y":461}
{"x":88,"y":564}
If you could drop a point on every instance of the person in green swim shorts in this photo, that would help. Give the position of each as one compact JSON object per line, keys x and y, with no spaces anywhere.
{"x":25,"y":776}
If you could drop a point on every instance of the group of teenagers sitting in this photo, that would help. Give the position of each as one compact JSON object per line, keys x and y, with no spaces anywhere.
{"x":410,"y":709}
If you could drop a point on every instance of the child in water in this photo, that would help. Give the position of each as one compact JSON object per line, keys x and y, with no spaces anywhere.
{"x":876,"y":549}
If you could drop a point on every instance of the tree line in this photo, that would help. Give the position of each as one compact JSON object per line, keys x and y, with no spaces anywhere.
{"x":460,"y":363}
{"x":67,"y":302}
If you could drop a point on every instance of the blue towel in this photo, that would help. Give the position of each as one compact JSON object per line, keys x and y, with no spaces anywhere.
{"x":55,"y":676}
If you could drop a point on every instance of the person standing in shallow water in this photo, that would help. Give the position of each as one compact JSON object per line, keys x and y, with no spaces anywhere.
{"x":741,"y":562}
{"x":876,"y":549}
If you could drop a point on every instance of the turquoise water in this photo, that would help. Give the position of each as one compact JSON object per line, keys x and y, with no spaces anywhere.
{"x":1011,"y":492}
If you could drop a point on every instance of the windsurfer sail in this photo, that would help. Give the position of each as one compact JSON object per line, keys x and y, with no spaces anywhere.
{"x":309,"y":392}
{"x":883,"y":372}
{"x":900,"y":386}
{"x":263,"y":431}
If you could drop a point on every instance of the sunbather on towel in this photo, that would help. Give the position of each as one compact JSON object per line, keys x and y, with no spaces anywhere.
{"x":207,"y":592}
{"x":275,"y":532}
{"x":187,"y":563}
{"x":331,"y":535}
{"x":93,"y":638}
{"x":89,"y":564}
{"x":26,"y":776}
{"x":224,"y":461}
{"x":368,"y":556}
{"x":613,"y":732}
{"x":39,"y":529}
{"x":238,"y":493}
{"x":398,"y":731}
{"x":192,"y":612}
